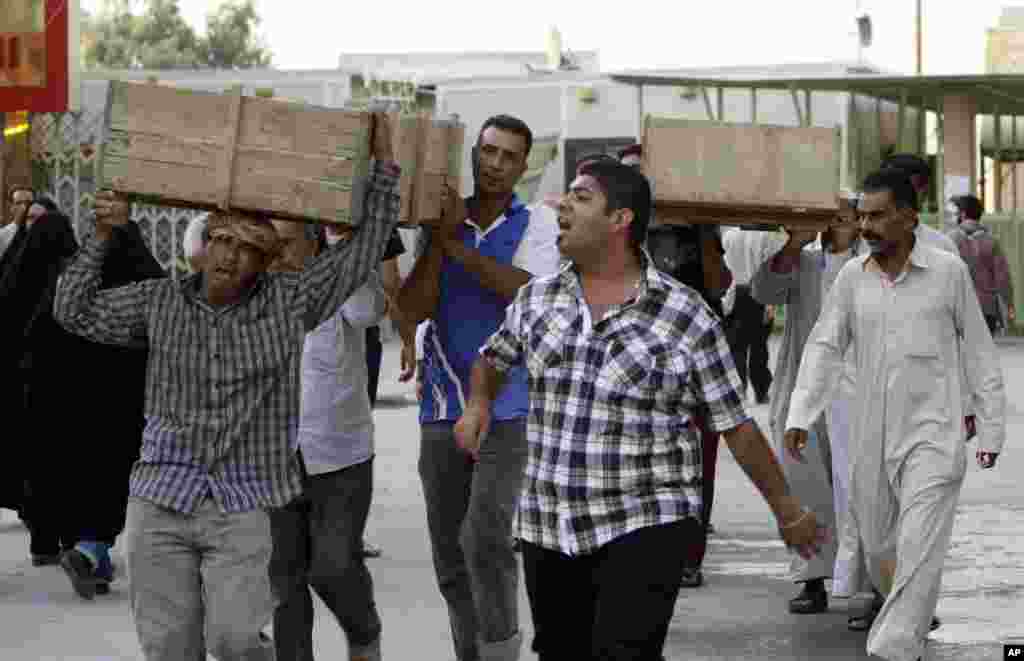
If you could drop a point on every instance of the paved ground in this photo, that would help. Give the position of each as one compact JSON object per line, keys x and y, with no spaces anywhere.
{"x":739,"y":614}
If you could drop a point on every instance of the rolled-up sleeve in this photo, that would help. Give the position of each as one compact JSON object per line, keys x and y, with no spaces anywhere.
{"x":117,"y":316}
{"x":715,"y":382}
{"x":504,"y":349}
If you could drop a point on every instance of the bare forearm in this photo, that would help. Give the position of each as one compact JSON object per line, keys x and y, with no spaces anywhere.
{"x":752,"y":452}
{"x":484,"y":383}
{"x":503,"y":280}
{"x":419,"y":295}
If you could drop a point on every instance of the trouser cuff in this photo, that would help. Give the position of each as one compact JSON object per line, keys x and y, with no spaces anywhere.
{"x":503,"y":650}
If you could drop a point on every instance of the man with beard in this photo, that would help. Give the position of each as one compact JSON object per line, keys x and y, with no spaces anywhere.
{"x":907,"y":311}
{"x":222,"y":407}
{"x":476,"y":259}
{"x":620,"y":359}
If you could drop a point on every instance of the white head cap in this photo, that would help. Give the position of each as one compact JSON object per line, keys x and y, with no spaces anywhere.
{"x":194,"y":242}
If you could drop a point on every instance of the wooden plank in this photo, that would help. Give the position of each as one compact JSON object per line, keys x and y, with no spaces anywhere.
{"x":750,"y":216}
{"x":741,"y":164}
{"x":187,"y":114}
{"x":225,"y":170}
{"x":274,"y":124}
{"x":154,"y":180}
{"x":203,"y":150}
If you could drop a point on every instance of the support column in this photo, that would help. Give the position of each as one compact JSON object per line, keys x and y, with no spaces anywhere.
{"x":960,"y":140}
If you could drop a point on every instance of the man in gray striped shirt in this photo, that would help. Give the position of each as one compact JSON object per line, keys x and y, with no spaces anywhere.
{"x":222,"y":407}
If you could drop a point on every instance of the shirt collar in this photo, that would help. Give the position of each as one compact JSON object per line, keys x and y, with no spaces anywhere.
{"x":652,"y":281}
{"x":513,"y":207}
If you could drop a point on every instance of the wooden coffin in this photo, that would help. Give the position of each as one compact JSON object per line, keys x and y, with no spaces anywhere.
{"x":742,"y":174}
{"x":181,"y":147}
{"x":430,"y":153}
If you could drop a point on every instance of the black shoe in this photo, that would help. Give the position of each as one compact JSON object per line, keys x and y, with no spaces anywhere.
{"x":692,"y":578}
{"x":936,"y":623}
{"x":371,"y":551}
{"x":45,"y":559}
{"x":103,"y":587}
{"x":79,"y":570}
{"x":762,"y":399}
{"x":810,"y":600}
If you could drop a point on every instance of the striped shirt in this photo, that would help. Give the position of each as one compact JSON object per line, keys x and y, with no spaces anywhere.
{"x":613,"y":446}
{"x":222,"y":385}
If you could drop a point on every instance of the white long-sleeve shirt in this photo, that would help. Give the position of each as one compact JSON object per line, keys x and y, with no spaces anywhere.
{"x":336,"y":421}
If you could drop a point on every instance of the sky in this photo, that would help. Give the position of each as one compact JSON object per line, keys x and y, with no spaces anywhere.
{"x":310,"y":34}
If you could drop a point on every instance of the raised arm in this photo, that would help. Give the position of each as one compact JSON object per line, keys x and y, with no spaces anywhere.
{"x":330,"y":279}
{"x":112,"y":316}
{"x":778,"y":278}
{"x":419,"y":294}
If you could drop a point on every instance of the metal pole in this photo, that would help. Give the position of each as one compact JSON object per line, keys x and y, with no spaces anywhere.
{"x":997,"y":162}
{"x":753,"y":105}
{"x":920,"y":36}
{"x":1013,"y":168}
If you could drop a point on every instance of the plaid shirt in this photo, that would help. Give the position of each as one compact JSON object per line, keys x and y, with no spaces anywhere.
{"x":222,"y":385}
{"x":612,"y":442}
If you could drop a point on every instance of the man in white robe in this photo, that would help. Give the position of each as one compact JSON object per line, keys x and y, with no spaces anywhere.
{"x":907,"y":310}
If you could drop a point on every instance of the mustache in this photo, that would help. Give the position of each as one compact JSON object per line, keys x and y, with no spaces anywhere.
{"x":868,"y":236}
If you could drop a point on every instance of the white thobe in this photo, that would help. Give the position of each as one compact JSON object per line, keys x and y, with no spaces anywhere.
{"x":811,"y":482}
{"x":907,"y":336}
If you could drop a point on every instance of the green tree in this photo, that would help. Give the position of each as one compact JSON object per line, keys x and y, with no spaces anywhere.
{"x":157,"y":37}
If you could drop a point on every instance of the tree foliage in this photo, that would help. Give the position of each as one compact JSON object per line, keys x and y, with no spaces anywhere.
{"x":151,"y":34}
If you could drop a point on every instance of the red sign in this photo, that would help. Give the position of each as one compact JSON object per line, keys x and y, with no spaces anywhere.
{"x":34,"y":56}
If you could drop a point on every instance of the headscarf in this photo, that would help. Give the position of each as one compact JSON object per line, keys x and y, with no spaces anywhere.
{"x":252,"y":230}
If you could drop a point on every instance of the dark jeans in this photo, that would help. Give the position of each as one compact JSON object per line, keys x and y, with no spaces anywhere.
{"x":374,"y":356}
{"x":470,"y":511}
{"x":612,"y":605}
{"x":993,"y":323}
{"x":696,"y":548}
{"x":317,"y":542}
{"x":748,"y":334}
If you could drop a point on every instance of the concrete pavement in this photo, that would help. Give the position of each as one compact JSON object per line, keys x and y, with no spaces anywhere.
{"x":740,"y":613}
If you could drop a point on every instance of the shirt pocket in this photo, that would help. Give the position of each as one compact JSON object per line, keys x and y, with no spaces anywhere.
{"x":547,"y":344}
{"x":925,"y":382}
{"x":639,"y":370}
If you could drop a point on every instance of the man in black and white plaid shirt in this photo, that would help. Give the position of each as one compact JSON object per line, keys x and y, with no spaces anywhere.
{"x":222,"y":409}
{"x":620,"y":358}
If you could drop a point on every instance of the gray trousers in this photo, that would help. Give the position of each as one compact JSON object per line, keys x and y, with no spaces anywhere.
{"x":199,"y":582}
{"x":318,"y":543}
{"x":470,"y":511}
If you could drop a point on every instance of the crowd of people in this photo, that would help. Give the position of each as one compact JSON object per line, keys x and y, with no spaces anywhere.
{"x":578,"y":364}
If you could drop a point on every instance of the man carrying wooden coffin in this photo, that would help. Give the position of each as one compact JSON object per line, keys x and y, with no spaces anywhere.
{"x":478,"y":257}
{"x":222,"y":408}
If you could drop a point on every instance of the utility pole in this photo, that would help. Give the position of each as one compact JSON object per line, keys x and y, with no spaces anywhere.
{"x":919,"y":35}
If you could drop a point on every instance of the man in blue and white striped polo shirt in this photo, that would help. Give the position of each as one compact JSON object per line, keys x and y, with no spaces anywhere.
{"x":469,"y":268}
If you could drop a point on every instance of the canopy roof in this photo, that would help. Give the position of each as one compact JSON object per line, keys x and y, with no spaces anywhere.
{"x":993,"y":93}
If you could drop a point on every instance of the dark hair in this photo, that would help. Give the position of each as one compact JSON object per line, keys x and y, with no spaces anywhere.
{"x":625,"y":188}
{"x":594,"y":157}
{"x":632,"y":150}
{"x":47,"y":203}
{"x":897,"y":182}
{"x":19,"y":187}
{"x":969,"y":205}
{"x":912,"y":164}
{"x":512,"y":125}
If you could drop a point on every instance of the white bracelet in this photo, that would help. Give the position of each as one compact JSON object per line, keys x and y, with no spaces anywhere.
{"x":799,"y":519}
